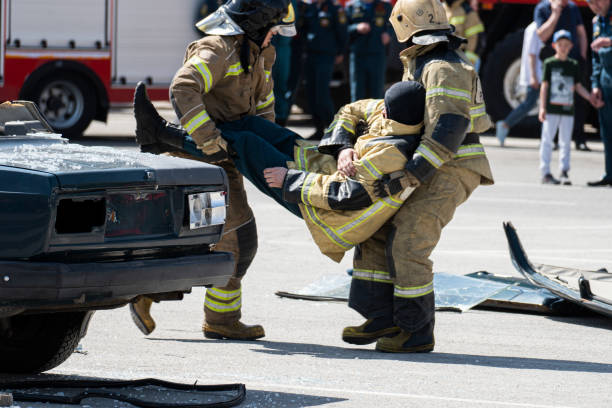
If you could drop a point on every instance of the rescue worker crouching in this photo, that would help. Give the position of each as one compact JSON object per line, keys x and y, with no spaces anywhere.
{"x":392,"y":285}
{"x":225,"y":77}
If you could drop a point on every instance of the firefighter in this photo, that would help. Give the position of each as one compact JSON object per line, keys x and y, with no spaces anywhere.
{"x":280,"y":73}
{"x":392,"y":285}
{"x":323,"y":27}
{"x":225,"y":77}
{"x":369,"y":33}
{"x":468,"y":25}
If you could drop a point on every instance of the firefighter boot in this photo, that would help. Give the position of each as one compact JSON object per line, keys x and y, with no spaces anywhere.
{"x":141,"y":314}
{"x":233,"y":331}
{"x":153,"y":133}
{"x":370,"y":331}
{"x":420,"y":341}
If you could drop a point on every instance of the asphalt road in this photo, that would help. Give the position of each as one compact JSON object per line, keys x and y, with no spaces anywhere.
{"x":482,"y":358}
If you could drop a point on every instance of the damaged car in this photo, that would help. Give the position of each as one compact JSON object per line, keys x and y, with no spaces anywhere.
{"x":89,"y":228}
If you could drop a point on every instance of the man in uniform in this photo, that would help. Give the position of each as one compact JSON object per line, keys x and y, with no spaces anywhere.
{"x":225,"y":77}
{"x":467,"y":25}
{"x":323,"y":28}
{"x":283,"y":93}
{"x":392,"y":284}
{"x":369,"y":33}
{"x":601,"y":80}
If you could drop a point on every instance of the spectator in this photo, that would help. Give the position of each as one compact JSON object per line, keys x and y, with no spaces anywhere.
{"x":552,"y":16}
{"x":561,"y":78}
{"x":601,"y":80}
{"x":369,"y":33}
{"x":529,"y":78}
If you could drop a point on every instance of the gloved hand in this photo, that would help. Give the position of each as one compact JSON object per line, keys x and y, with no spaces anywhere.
{"x":396,"y":182}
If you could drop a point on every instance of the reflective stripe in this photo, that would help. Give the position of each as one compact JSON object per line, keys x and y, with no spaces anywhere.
{"x":370,"y":108}
{"x":370,"y":275}
{"x":203,"y":70}
{"x":268,"y":73}
{"x":371,"y":211}
{"x":312,"y":214}
{"x":223,"y":307}
{"x":430,"y":156}
{"x":470,"y":150}
{"x":307,"y":187}
{"x":197,"y":121}
{"x":269,"y":100}
{"x":478,"y":111}
{"x":457,"y":20}
{"x":371,"y":169}
{"x":473,"y":30}
{"x":413,"y":291}
{"x":452,"y":92}
{"x":346,"y":124}
{"x":223,"y":294}
{"x":472,"y":56}
{"x":235,"y":69}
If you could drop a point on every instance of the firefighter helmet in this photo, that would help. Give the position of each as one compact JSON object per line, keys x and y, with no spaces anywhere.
{"x":410,"y":17}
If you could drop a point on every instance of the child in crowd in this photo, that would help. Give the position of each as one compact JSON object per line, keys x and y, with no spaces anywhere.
{"x":561,"y":77}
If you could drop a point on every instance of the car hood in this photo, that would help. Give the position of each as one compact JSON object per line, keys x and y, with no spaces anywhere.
{"x":78,"y":166}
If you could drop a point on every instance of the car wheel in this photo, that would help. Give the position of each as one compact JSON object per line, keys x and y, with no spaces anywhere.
{"x":500,"y":80}
{"x":39,"y":342}
{"x":67,"y":101}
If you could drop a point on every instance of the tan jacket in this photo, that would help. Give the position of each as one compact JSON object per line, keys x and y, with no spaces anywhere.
{"x":453,"y":98}
{"x":341,"y":212}
{"x":212,"y":87}
{"x":467,"y":25}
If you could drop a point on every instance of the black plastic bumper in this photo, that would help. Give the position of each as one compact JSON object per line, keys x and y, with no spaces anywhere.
{"x":47,"y":284}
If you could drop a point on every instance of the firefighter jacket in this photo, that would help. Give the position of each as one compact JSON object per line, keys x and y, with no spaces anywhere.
{"x":455,"y":111}
{"x":339,"y":211}
{"x":467,"y":25}
{"x":213,"y":87}
{"x":602,"y":59}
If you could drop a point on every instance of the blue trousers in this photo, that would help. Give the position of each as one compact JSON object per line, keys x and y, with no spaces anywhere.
{"x":524,"y":108}
{"x":319,"y":68}
{"x":605,"y":123}
{"x":258,"y":144}
{"x":367,"y":73}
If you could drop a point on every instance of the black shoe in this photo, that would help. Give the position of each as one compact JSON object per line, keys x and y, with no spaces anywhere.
{"x":600,"y":183}
{"x":148,"y":122}
{"x":419,"y":341}
{"x":583,"y":147}
{"x":370,"y":331}
{"x":549,"y":179}
{"x":564,"y":179}
{"x":556,"y":146}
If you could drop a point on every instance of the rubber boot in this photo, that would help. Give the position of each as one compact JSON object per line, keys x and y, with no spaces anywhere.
{"x":141,"y":314}
{"x":233,"y":331}
{"x":153,"y":133}
{"x":420,"y":341}
{"x":370,"y":331}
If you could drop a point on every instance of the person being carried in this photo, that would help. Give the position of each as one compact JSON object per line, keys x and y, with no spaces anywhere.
{"x":561,"y":77}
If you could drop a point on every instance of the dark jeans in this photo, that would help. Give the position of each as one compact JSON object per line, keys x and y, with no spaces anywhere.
{"x":524,"y":108}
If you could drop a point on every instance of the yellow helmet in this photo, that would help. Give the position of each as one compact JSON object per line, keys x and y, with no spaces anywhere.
{"x":410,"y":17}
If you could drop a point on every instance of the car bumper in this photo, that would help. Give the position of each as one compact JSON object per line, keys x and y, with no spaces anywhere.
{"x":53,"y":285}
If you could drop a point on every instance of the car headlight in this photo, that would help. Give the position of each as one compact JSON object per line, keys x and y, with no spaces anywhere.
{"x":206,"y":209}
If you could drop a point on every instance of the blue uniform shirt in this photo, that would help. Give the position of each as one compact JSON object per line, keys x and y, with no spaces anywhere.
{"x":602,"y":59}
{"x":570,"y":19}
{"x":323,"y":27}
{"x":376,"y":13}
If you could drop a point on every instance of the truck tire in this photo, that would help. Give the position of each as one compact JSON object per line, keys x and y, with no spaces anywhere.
{"x":500,"y":80}
{"x":39,"y":342}
{"x":68,"y":102}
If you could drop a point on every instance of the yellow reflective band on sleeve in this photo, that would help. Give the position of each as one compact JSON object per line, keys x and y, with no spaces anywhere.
{"x":341,"y":123}
{"x":372,"y":276}
{"x":470,"y":150}
{"x":223,"y":307}
{"x":327,"y":230}
{"x":472,"y":57}
{"x":473,"y":30}
{"x":269,"y":100}
{"x":268,"y":74}
{"x":477,"y":111}
{"x":450,"y":92}
{"x":305,"y":194}
{"x":197,"y":121}
{"x":370,"y":108}
{"x":222,"y":294}
{"x":371,"y":169}
{"x":457,"y":20}
{"x":202,"y":68}
{"x":368,"y":213}
{"x":235,"y":69}
{"x":430,"y":156}
{"x":413,"y":291}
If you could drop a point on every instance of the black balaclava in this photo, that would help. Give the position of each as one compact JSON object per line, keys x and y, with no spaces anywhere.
{"x":405,"y":102}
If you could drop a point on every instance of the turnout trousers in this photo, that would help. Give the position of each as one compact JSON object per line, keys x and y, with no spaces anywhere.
{"x":392,"y":272}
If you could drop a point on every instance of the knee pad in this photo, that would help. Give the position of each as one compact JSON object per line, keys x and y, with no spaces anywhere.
{"x":247,"y":247}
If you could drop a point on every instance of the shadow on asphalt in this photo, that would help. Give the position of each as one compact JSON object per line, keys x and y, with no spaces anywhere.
{"x":333,"y":352}
{"x":260,"y":398}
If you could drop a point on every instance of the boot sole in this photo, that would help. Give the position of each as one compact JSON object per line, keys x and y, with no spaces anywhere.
{"x":426,"y":348}
{"x":218,"y":336}
{"x":367,"y":338}
{"x":139,"y":323}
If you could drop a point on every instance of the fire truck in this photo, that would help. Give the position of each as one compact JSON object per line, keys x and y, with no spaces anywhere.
{"x":77,"y":58}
